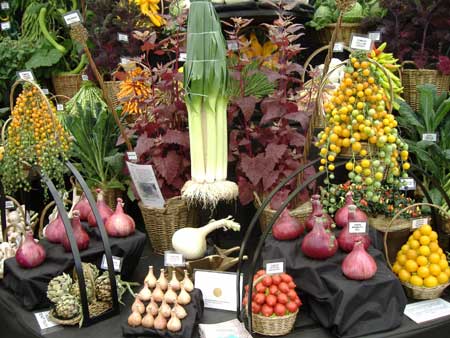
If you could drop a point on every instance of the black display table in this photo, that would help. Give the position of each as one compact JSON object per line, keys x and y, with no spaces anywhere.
{"x":15,"y":322}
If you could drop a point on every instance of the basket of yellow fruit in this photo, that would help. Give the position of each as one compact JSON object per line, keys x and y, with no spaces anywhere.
{"x":421,"y":264}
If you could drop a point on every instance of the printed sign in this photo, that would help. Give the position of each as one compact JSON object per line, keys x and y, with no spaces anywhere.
{"x":84,"y":77}
{"x":173,"y":259}
{"x":72,"y":18}
{"x":357,"y":227}
{"x":9,"y":205}
{"x":132,"y":156}
{"x":417,"y":223}
{"x":232,"y":45}
{"x":375,"y":36}
{"x":5,"y":26}
{"x":122,"y":37}
{"x":117,"y":263}
{"x":407,"y":184}
{"x":26,"y":75}
{"x":182,"y":57}
{"x":60,"y":107}
{"x":360,"y":42}
{"x":4,"y":5}
{"x":275,"y":267}
{"x":432,"y":137}
{"x":427,"y":310}
{"x":44,"y":321}
{"x":45,"y":91}
{"x":146,"y":184}
{"x":338,"y":47}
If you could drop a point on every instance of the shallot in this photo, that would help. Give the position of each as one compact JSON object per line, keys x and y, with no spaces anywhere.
{"x":55,"y":230}
{"x":83,"y":207}
{"x":80,"y":235}
{"x":341,"y":216}
{"x":30,"y":254}
{"x":179,"y":311}
{"x":319,"y":243}
{"x":150,"y":279}
{"x":170,"y":296}
{"x":158,"y":294}
{"x":152,"y":307}
{"x":164,"y":309}
{"x":346,"y":238}
{"x":135,"y":319}
{"x":103,"y":209}
{"x":358,"y":264}
{"x":287,"y":227}
{"x":148,"y":321}
{"x":162,"y":280}
{"x":119,"y":224}
{"x":145,"y":294}
{"x":187,"y":283}
{"x":138,"y":306}
{"x":160,"y":322}
{"x":183,"y":298}
{"x":316,"y":211}
{"x":174,"y":323}
{"x":174,"y":282}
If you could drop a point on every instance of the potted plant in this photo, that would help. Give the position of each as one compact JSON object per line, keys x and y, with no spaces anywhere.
{"x":327,"y":12}
{"x":417,"y":33}
{"x":267,"y":128}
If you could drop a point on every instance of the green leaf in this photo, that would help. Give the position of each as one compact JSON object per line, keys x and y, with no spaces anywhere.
{"x":115,"y":161}
{"x":409,"y":118}
{"x":441,"y":112}
{"x":427,"y":93}
{"x":44,"y":58}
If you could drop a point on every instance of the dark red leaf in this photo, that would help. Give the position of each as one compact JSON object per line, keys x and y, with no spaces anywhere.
{"x":254,"y":167}
{"x":247,"y":105}
{"x":300,"y":117}
{"x":274,"y":152}
{"x":176,"y":137}
{"x":279,"y":198}
{"x":168,"y":166}
{"x":270,"y":180}
{"x":271,"y":110}
{"x":143,"y":145}
{"x":245,"y":191}
{"x":296,"y":139}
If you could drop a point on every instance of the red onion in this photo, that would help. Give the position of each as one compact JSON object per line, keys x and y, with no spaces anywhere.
{"x":119,"y":224}
{"x":83,"y":207}
{"x":316,"y":211}
{"x":287,"y":227}
{"x":346,"y":239}
{"x":341,"y":216}
{"x":319,"y":243}
{"x":30,"y":254}
{"x":81,"y":236}
{"x":103,"y":209}
{"x":358,"y":264}
{"x":55,"y":230}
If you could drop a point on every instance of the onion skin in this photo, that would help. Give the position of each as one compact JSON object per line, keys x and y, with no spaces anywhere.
{"x":103,"y":209}
{"x":287,"y":227}
{"x":341,"y":216}
{"x":359,"y":265}
{"x":119,"y":224}
{"x":319,"y":243}
{"x":83,"y":207}
{"x":81,"y":236}
{"x":55,"y":230}
{"x":317,"y":210}
{"x":30,"y":254}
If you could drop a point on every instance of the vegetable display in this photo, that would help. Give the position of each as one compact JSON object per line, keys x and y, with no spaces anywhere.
{"x":205,"y":82}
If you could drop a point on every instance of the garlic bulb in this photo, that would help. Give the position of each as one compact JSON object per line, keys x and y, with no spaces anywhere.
{"x":134,"y":319}
{"x":138,"y":306}
{"x":179,"y":311}
{"x":183,"y":298}
{"x":174,"y":323}
{"x":150,"y":279}
{"x":170,"y":296}
{"x":174,"y":281}
{"x":148,"y":321}
{"x":145,"y":294}
{"x":152,"y":307}
{"x":160,"y":322}
{"x":164,"y":309}
{"x":187,"y":283}
{"x":158,"y":294}
{"x":162,"y":280}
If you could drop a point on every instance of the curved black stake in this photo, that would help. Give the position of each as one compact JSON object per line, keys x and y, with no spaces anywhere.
{"x":106,"y":247}
{"x":255,"y":220}
{"x":263,"y":237}
{"x":3,"y":211}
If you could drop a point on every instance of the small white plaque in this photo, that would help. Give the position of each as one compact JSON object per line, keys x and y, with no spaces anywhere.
{"x":375,"y":36}
{"x":432,"y":137}
{"x":117,"y":263}
{"x":60,"y":107}
{"x":173,"y":259}
{"x":122,"y":37}
{"x":4,"y":5}
{"x":45,"y":91}
{"x":84,"y":77}
{"x":357,"y":227}
{"x":218,"y":289}
{"x":274,"y":268}
{"x":427,"y":310}
{"x":407,"y":183}
{"x":232,"y":45}
{"x":132,"y":156}
{"x":418,"y":222}
{"x":26,"y":75}
{"x":182,"y":57}
{"x":360,"y":42}
{"x":5,"y":26}
{"x":338,"y":47}
{"x":9,"y":205}
{"x":72,"y":17}
{"x":44,"y":321}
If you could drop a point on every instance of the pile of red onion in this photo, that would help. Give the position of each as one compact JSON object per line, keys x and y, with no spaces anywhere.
{"x":119,"y":224}
{"x":358,"y":264}
{"x":319,"y":243}
{"x":287,"y":227}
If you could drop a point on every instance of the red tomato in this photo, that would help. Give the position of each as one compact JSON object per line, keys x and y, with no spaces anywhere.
{"x":280,"y":310}
{"x":267,"y":281}
{"x":267,"y":310}
{"x":276,"y":279}
{"x":261,"y":272}
{"x":271,"y":300}
{"x":291,"y":307}
{"x":292,"y":294}
{"x":246,"y":288}
{"x":260,"y":298}
{"x":283,"y":287}
{"x":282,"y":298}
{"x":286,"y":278}
{"x":298,"y":302}
{"x":291,"y":285}
{"x":273,"y":290}
{"x":260,"y":288}
{"x":256,"y":308}
{"x":244,"y":301}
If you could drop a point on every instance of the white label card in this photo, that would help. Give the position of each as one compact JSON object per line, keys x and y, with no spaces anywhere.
{"x":375,"y":36}
{"x":60,"y":107}
{"x":5,"y":25}
{"x":124,"y":60}
{"x":9,"y":205}
{"x":432,"y":137}
{"x":84,"y":77}
{"x":26,"y":75}
{"x":182,"y":57}
{"x":146,"y":184}
{"x":72,"y":17}
{"x":117,"y":263}
{"x":173,"y":259}
{"x":357,"y":227}
{"x":44,"y":320}
{"x":360,"y":42}
{"x":132,"y":156}
{"x":45,"y":90}
{"x":4,"y":5}
{"x":122,"y":37}
{"x":274,"y":267}
{"x":338,"y":47}
{"x":232,"y":45}
{"x":407,"y":183}
{"x":418,"y":222}
{"x":427,"y":310}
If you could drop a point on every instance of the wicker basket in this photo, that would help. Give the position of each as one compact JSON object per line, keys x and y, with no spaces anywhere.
{"x":300,"y":213}
{"x":343,"y":34}
{"x":412,"y":291}
{"x":411,"y":78}
{"x":161,"y":223}
{"x":66,"y":85}
{"x":110,"y":196}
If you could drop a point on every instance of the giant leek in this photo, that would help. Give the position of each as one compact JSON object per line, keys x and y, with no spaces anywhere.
{"x":205,"y":82}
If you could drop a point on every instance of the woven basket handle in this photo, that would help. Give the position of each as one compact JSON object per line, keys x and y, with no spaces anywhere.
{"x":5,"y":125}
{"x":398,"y":215}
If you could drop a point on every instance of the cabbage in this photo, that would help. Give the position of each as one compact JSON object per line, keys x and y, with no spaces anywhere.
{"x":322,"y":17}
{"x":355,"y":14}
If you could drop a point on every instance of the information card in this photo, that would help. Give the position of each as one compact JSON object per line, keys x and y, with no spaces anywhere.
{"x":146,"y":184}
{"x":427,"y":310}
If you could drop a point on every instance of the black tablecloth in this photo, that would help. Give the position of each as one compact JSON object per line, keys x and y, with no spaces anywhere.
{"x":194,"y":313}
{"x":30,"y":285}
{"x":348,"y":308}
